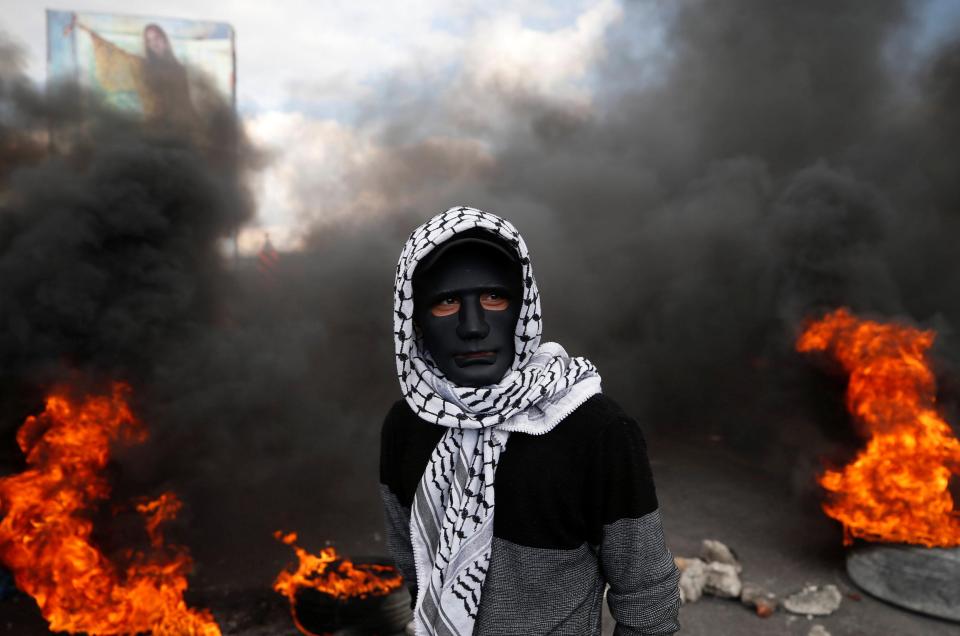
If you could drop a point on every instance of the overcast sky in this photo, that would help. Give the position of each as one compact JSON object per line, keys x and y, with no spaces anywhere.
{"x":309,"y":71}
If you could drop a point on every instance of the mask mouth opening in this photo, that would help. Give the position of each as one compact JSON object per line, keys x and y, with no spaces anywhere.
{"x":475,"y":358}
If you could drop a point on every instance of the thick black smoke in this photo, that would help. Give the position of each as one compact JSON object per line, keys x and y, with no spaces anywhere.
{"x":770,"y":162}
{"x":111,"y":229}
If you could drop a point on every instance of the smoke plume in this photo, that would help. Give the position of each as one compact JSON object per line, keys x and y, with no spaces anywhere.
{"x":687,"y":207}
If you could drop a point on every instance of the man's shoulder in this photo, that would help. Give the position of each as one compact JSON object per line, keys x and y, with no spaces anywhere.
{"x":398,"y":410}
{"x":401,"y":422}
{"x":399,"y":416}
{"x":601,"y":407}
{"x":600,"y":414}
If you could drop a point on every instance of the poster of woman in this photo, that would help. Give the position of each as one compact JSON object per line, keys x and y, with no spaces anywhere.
{"x":155,"y":66}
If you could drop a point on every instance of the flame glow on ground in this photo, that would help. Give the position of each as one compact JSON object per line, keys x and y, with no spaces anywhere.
{"x":45,"y":535}
{"x":897,"y":489}
{"x":333,"y":575}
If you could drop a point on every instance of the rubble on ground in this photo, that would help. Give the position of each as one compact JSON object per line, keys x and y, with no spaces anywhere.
{"x":814,"y":601}
{"x":763,"y":602}
{"x":723,"y":580}
{"x":714,"y":551}
{"x":693,"y":577}
{"x":717,"y":572}
{"x":818,"y":630}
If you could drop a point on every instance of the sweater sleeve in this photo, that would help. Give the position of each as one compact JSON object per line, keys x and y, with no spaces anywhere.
{"x":396,"y":515}
{"x":644,"y":598}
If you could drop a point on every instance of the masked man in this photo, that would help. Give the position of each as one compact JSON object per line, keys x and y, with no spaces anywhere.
{"x":515,"y":491}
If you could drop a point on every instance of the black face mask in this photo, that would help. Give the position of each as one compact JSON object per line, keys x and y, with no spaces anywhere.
{"x":466,"y":305}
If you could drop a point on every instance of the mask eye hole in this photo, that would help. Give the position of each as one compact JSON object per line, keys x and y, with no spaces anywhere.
{"x":494,"y":301}
{"x":446,"y":307}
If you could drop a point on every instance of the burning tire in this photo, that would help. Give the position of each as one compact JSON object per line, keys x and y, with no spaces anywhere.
{"x":319,"y":613}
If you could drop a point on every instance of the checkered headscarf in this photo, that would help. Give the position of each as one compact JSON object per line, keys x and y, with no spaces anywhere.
{"x":451,"y":524}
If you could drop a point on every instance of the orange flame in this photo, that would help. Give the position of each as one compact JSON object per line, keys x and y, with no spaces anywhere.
{"x":332,"y":574}
{"x":45,"y":539}
{"x":897,"y":489}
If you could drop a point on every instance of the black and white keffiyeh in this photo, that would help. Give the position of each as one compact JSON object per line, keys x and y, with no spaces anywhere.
{"x":451,"y":522}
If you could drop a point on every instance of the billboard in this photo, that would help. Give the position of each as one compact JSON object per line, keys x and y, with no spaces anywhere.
{"x":164,"y":68}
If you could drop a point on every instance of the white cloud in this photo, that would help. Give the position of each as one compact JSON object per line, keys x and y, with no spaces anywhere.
{"x":505,"y":52}
{"x":306,"y":155}
{"x":326,"y":171}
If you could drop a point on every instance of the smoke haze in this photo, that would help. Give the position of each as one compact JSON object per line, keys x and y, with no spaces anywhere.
{"x":687,"y":206}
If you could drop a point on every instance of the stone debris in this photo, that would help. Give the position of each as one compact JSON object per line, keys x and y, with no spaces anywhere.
{"x":712,"y":550}
{"x":818,"y":630}
{"x":693,"y":576}
{"x":683,"y":563}
{"x":717,"y":573}
{"x":814,"y":601}
{"x":722,"y":580}
{"x":764,"y":603}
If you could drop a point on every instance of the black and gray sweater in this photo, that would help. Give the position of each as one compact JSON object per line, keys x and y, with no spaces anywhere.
{"x":576,"y":509}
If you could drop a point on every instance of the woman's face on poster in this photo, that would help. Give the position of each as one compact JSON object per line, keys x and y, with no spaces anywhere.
{"x":156,"y":41}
